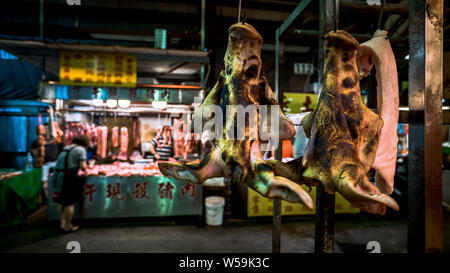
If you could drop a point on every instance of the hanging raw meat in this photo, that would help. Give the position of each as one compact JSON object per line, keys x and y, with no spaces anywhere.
{"x":242,"y":83}
{"x":123,"y":153}
{"x":179,"y":147}
{"x":136,"y":130}
{"x":93,"y":135}
{"x":99,"y":142}
{"x":40,"y":146}
{"x":343,"y":132}
{"x":102,"y":133}
{"x":377,"y":51}
{"x":115,"y":136}
{"x":67,"y":135}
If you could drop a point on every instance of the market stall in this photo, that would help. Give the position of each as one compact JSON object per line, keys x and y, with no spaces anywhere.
{"x":123,"y":179}
{"x":137,"y":196}
{"x":19,"y":195}
{"x":128,"y":124}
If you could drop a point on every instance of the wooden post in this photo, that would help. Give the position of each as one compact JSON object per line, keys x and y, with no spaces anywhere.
{"x":425,"y":120}
{"x":324,"y":237}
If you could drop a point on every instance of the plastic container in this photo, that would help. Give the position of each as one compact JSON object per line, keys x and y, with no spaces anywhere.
{"x":214,"y":210}
{"x":29,"y":162}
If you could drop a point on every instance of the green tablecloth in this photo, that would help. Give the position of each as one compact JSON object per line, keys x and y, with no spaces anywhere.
{"x":446,"y":147}
{"x":19,"y":196}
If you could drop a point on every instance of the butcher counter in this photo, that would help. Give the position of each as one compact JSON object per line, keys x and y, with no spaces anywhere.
{"x":136,"y":196}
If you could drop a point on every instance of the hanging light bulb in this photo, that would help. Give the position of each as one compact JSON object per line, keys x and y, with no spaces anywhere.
{"x":111,"y":103}
{"x":97,"y":102}
{"x":124,"y":103}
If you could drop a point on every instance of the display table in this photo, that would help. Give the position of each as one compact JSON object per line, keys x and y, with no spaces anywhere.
{"x":137,"y":196}
{"x":19,"y":196}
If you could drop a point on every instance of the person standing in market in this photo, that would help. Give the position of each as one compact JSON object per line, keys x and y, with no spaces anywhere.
{"x":162,"y":146}
{"x":70,"y":161}
{"x":53,"y":148}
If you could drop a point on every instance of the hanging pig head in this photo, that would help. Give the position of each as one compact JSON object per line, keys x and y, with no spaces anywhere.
{"x":343,"y":132}
{"x":240,"y":89}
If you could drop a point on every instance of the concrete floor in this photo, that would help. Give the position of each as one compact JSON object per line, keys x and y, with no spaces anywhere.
{"x":352,"y":234}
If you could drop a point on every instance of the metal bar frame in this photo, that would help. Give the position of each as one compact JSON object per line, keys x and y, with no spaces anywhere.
{"x":425,"y":118}
{"x":276,"y":227}
{"x":324,"y":231}
{"x":425,"y":221}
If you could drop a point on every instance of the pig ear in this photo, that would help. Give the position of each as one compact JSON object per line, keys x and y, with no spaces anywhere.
{"x":364,"y":60}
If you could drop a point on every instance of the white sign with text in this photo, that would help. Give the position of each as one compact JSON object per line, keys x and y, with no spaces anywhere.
{"x":303,"y":69}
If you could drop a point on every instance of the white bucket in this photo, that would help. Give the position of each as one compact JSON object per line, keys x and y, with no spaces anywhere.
{"x":214,"y":210}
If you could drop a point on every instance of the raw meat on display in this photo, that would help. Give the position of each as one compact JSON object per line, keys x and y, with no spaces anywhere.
{"x":123,"y":169}
{"x":67,"y":140}
{"x":242,"y":83}
{"x":377,"y":51}
{"x":179,"y":147}
{"x":123,"y":153}
{"x":40,"y":146}
{"x":136,"y":155}
{"x":344,"y":132}
{"x":136,"y":130}
{"x":102,"y":136}
{"x":115,"y":136}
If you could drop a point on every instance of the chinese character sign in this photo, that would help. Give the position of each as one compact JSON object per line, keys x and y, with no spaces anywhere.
{"x":89,"y":189}
{"x":188,"y":189}
{"x":165,"y":190}
{"x":113,"y":191}
{"x":140,"y":191}
{"x":100,"y":69}
{"x":258,"y":205}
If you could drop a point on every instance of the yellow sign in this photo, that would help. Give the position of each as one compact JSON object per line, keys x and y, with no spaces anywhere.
{"x":99,"y":69}
{"x":300,"y":102}
{"x":257,"y":205}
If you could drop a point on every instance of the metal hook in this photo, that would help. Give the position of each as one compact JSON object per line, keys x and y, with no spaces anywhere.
{"x":239,"y":11}
{"x":245,"y":18}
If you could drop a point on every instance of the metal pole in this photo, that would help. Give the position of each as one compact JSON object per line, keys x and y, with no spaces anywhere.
{"x":381,"y":15}
{"x":202,"y":43}
{"x":77,"y":20}
{"x":41,"y":36}
{"x":324,"y":232}
{"x":239,"y":11}
{"x":276,"y":226}
{"x":425,"y":222}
